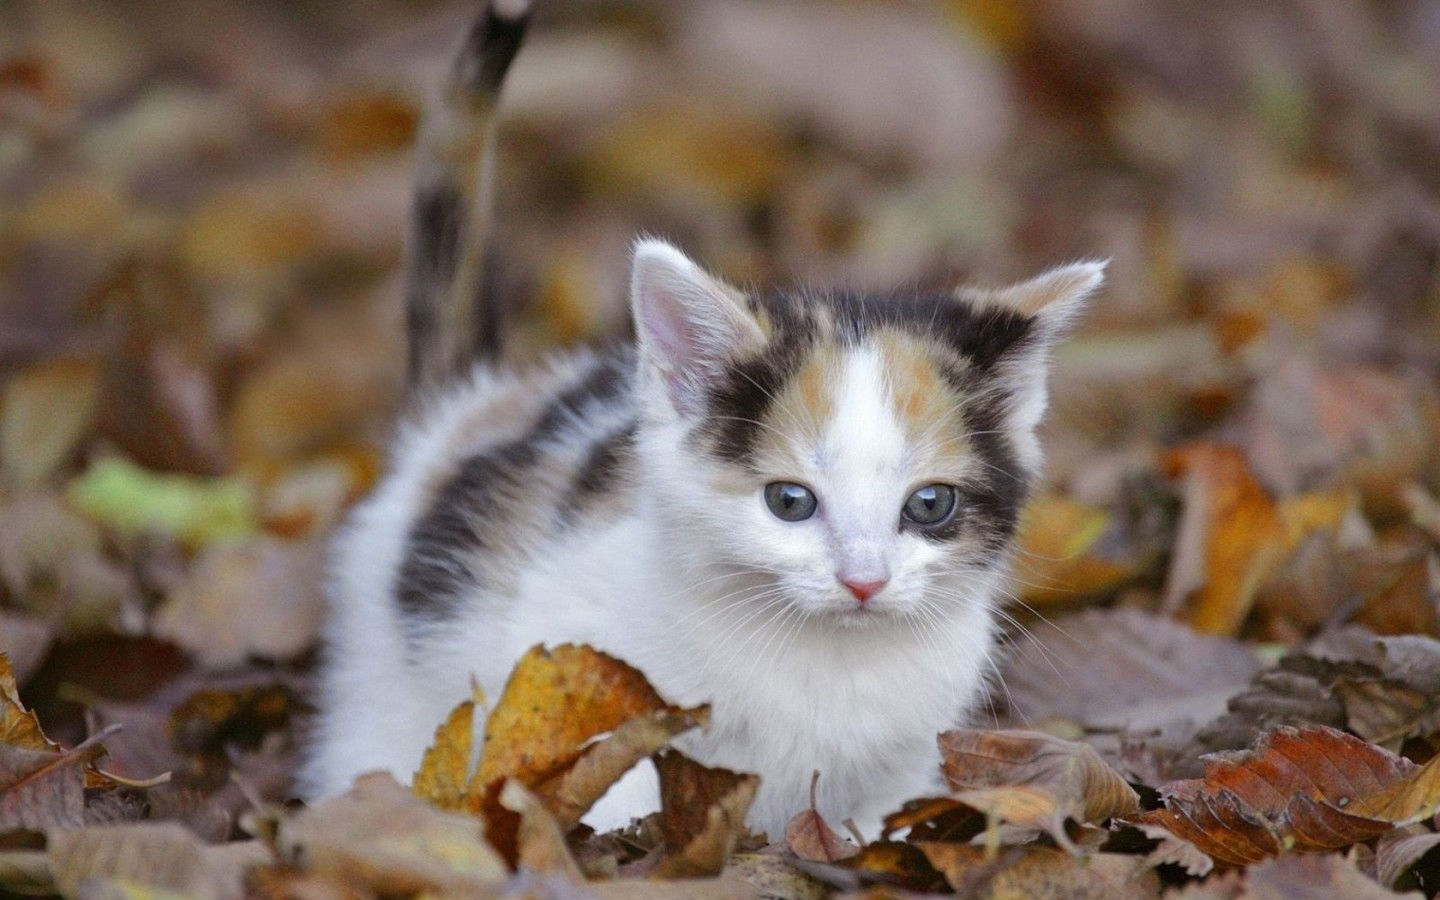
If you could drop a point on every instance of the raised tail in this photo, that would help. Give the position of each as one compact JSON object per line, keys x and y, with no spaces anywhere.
{"x":444,"y":284}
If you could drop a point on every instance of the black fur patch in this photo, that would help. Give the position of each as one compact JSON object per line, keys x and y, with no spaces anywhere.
{"x":436,"y":571}
{"x":602,"y":470}
{"x":737,"y":404}
{"x":991,"y":504}
{"x":981,"y":336}
{"x":489,"y":48}
{"x":473,"y":503}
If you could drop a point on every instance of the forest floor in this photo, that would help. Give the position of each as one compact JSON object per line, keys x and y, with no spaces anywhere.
{"x":1236,"y":549}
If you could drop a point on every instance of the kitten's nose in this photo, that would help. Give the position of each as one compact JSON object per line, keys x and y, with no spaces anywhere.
{"x":863,"y":590}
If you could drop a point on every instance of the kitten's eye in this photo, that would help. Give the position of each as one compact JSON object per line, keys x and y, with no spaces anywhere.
{"x":790,"y":501}
{"x":930,"y":505}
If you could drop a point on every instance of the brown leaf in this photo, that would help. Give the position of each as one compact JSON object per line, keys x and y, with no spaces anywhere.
{"x":540,"y":841}
{"x":444,"y":774}
{"x":702,"y":814}
{"x":900,"y":864}
{"x":772,"y":875}
{"x":1058,"y":540}
{"x":1157,"y":671}
{"x":260,"y":597}
{"x":541,"y":733}
{"x":1313,"y":877}
{"x":1176,"y":851}
{"x":555,"y":701}
{"x":1042,"y":873}
{"x":1398,"y":852}
{"x":809,"y":837}
{"x":935,"y":819}
{"x":42,"y":789}
{"x":150,"y":858}
{"x":1033,"y":779}
{"x":26,"y":640}
{"x":382,"y":837}
{"x":44,"y":412}
{"x":1315,"y":789}
{"x":1230,"y":536}
{"x":577,"y":788}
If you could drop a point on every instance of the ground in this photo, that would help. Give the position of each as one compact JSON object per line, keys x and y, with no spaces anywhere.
{"x":1234,"y":549}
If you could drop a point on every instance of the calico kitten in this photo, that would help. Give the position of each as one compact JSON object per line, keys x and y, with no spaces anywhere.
{"x":798,"y":507}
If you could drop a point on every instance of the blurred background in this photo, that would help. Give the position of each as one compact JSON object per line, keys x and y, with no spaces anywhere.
{"x":201,"y":211}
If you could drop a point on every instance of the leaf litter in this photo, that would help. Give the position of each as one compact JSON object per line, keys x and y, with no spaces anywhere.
{"x":1232,"y":690}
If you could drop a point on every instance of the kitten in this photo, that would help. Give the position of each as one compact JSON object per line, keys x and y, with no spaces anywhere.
{"x":798,"y":507}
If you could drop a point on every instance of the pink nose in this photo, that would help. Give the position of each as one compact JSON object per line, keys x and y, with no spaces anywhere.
{"x":863,"y":590}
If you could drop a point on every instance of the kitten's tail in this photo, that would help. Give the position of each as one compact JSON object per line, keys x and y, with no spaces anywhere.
{"x":446,"y":312}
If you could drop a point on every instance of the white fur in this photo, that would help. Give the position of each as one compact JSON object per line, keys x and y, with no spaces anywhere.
{"x":704,"y":590}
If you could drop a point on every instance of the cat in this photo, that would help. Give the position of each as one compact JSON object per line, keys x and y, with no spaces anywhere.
{"x":797,"y":506}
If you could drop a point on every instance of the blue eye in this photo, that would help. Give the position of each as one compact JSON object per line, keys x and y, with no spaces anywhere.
{"x":930,"y":505}
{"x":789,"y":501}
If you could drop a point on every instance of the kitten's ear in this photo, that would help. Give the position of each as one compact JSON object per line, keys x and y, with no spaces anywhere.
{"x":1053,"y":299}
{"x":688,"y":323}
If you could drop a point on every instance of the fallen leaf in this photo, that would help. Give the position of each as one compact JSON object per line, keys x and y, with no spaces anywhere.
{"x":41,"y":783}
{"x":772,"y":875}
{"x":935,"y":819}
{"x":1400,"y":851}
{"x":382,"y":837}
{"x":1174,"y":850}
{"x":1033,"y":779}
{"x":555,"y":701}
{"x":543,"y":733}
{"x":44,"y":412}
{"x":1059,"y":542}
{"x":1042,"y":873}
{"x":1307,"y":877}
{"x":702,"y":814}
{"x":539,"y":839}
{"x":1314,"y":789}
{"x":444,"y":774}
{"x":1157,"y":671}
{"x":1230,"y":536}
{"x":149,"y":859}
{"x":894,"y":863}
{"x":134,"y":501}
{"x":809,"y":836}
{"x":259,"y":597}
{"x":42,"y":789}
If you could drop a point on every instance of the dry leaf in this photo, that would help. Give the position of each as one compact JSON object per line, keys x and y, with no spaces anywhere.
{"x":260,"y":597}
{"x":702,"y":814}
{"x":809,"y":837}
{"x":1306,"y":877}
{"x":895,"y":863}
{"x":1058,"y":540}
{"x":1314,"y":789}
{"x":25,"y":641}
{"x":382,"y":837}
{"x":1033,"y":779}
{"x":1231,"y":534}
{"x":542,"y":734}
{"x":444,"y":774}
{"x":149,"y":859}
{"x":1157,"y":671}
{"x":44,"y":412}
{"x":1398,"y":852}
{"x":1043,"y":873}
{"x":935,"y":819}
{"x":539,"y":840}
{"x":1176,"y":851}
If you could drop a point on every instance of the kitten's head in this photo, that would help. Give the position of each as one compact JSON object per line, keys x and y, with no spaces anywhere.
{"x":868,"y":455}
